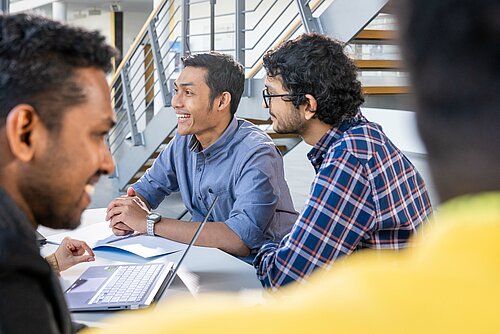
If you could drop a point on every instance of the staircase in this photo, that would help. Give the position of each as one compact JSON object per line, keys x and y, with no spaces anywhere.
{"x":142,"y":85}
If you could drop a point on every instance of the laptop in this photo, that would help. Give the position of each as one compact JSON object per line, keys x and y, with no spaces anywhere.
{"x":125,"y":286}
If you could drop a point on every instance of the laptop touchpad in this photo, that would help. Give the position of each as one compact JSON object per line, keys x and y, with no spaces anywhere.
{"x":88,"y":285}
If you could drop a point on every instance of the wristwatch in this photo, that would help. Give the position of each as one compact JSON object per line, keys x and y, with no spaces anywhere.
{"x":151,"y":219}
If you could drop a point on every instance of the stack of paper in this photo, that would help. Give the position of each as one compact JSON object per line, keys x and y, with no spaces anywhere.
{"x":99,"y":236}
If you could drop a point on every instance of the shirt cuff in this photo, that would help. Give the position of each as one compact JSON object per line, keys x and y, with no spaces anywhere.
{"x":269,"y":247}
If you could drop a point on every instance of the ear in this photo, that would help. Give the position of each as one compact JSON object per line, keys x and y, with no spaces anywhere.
{"x":311,"y":105}
{"x":224,"y":101}
{"x":20,"y":123}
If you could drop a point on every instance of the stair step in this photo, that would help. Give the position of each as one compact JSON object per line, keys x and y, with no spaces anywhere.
{"x":375,"y":35}
{"x":282,"y":148}
{"x":385,"y":90}
{"x":377,"y":64}
{"x":259,"y":121}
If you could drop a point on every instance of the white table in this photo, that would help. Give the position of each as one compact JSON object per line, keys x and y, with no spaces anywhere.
{"x":217,"y":270}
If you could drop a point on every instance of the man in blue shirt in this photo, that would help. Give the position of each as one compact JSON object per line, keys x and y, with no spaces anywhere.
{"x":366,"y":193}
{"x":213,"y":154}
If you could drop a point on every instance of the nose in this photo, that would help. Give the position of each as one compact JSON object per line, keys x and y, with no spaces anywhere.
{"x":176,"y":100}
{"x":107,"y":163}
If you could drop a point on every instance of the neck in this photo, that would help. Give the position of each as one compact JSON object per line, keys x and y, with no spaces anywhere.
{"x":314,"y":131}
{"x":211,"y":135}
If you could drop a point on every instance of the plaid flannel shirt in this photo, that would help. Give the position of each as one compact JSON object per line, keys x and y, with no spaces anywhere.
{"x":366,"y":194}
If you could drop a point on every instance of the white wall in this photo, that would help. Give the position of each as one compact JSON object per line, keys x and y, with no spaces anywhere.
{"x":400,"y":126}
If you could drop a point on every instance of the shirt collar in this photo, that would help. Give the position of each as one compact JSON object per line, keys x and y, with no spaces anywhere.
{"x":318,"y":153}
{"x":227,"y":135}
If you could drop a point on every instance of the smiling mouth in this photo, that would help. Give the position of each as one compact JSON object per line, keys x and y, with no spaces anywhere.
{"x":183,"y":116}
{"x":89,"y":189}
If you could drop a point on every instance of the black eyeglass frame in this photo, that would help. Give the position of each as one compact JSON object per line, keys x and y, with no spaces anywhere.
{"x":266,"y":95}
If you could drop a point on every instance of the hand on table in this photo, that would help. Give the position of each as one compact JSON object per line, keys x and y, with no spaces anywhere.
{"x":127,"y":214}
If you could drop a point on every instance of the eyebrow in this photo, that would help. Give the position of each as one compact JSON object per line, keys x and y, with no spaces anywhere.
{"x":183,"y":84}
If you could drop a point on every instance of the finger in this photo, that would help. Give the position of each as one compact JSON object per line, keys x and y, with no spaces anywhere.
{"x":83,"y":258}
{"x":116,"y":210}
{"x":116,"y":202}
{"x":116,"y":219}
{"x":83,"y":246}
{"x":124,"y":205}
{"x":120,"y":232}
{"x":131,"y":192}
{"x":123,"y":227}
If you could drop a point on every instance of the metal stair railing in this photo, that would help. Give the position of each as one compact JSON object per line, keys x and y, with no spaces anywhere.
{"x":142,"y":85}
{"x":140,"y":88}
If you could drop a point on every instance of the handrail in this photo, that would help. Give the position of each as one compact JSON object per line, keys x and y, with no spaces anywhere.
{"x":289,"y":32}
{"x":136,"y":42}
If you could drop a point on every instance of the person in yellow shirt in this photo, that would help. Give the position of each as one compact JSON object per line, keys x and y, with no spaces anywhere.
{"x":449,"y":282}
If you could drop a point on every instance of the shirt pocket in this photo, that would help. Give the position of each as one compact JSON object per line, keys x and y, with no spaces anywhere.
{"x":224,"y":204}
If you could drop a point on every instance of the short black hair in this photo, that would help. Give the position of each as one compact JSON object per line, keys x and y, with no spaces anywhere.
{"x":452,"y":48}
{"x":317,"y":65}
{"x":38,"y":61}
{"x":224,"y":74}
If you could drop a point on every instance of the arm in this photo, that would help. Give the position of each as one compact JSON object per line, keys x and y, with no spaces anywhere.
{"x":160,"y":180}
{"x":256,"y":192}
{"x":339,"y":212}
{"x":128,"y":215}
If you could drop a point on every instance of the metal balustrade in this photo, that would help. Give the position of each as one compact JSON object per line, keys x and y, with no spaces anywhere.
{"x":142,"y":87}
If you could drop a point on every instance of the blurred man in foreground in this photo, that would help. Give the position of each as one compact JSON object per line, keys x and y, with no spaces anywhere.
{"x":55,"y":112}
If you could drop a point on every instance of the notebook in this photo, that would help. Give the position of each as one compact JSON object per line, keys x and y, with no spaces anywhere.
{"x":125,"y":286}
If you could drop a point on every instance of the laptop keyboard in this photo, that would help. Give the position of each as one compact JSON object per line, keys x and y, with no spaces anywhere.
{"x":128,"y":284}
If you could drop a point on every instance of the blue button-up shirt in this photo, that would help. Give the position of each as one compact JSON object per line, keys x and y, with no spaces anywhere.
{"x":243,"y":167}
{"x":366,"y":194}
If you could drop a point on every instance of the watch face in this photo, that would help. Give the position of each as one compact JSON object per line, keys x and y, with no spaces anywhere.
{"x":154,"y":217}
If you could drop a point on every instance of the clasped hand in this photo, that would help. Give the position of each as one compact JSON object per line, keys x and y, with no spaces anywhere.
{"x":127,"y":214}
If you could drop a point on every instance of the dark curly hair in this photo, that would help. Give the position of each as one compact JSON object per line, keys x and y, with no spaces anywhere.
{"x":224,"y":74}
{"x":317,"y":65}
{"x":38,"y":63}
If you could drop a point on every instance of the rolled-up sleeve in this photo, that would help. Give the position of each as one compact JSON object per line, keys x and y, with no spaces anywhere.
{"x":257,"y":193}
{"x":160,"y":179}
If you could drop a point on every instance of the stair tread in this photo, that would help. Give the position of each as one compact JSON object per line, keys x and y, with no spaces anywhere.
{"x":381,"y":90}
{"x":377,"y":35}
{"x":378,"y":64}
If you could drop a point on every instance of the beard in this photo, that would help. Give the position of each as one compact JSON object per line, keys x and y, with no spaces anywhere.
{"x":289,"y":124}
{"x":50,"y":206}
{"x":47,"y":190}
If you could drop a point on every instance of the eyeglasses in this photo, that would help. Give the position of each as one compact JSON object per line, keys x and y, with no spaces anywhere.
{"x":267,"y":97}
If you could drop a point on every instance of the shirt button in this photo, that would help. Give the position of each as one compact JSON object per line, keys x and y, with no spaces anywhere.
{"x":199,"y":197}
{"x":210,"y":190}
{"x":199,"y":169}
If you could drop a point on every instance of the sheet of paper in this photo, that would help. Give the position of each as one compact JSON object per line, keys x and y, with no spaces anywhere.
{"x":99,"y":236}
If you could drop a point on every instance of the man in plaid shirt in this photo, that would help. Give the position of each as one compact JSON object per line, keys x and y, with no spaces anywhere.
{"x":366,"y":193}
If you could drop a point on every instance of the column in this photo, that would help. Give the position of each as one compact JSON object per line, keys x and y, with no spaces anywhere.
{"x":59,"y":11}
{"x":4,"y":6}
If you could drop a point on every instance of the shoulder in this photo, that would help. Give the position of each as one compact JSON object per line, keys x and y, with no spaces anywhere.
{"x":18,"y":254}
{"x":363,"y":141}
{"x":250,"y":137}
